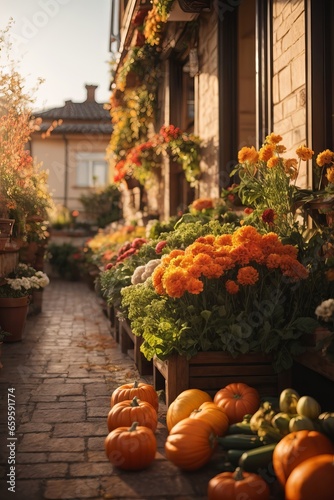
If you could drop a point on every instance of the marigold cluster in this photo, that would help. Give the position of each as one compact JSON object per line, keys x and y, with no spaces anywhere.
{"x":236,"y":259}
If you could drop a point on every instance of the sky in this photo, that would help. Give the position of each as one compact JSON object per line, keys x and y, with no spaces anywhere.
{"x":64,"y":42}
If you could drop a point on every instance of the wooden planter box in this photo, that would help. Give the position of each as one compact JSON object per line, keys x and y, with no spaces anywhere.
{"x":210,"y":371}
{"x":130,"y":344}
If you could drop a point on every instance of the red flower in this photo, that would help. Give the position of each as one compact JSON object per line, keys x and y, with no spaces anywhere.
{"x":109,"y":266}
{"x":138,"y":242}
{"x":268,"y":216}
{"x":248,"y":210}
{"x":160,"y":246}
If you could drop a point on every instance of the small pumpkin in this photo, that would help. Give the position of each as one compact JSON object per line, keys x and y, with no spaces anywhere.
{"x":238,"y":484}
{"x":313,"y":478}
{"x":237,"y":399}
{"x":308,"y":407}
{"x":190,"y":444}
{"x":288,"y":400}
{"x":300,"y":423}
{"x":214,"y":415}
{"x":126,"y":412}
{"x":143,"y":391}
{"x":326,"y":421}
{"x":296,"y":447}
{"x":186,"y":402}
{"x":131,"y":448}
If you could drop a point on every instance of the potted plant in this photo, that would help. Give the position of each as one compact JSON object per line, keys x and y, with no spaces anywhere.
{"x":15,"y":296}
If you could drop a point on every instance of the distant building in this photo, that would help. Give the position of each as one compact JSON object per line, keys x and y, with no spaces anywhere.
{"x":74,"y":152}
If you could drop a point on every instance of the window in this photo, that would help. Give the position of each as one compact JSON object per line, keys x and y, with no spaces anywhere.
{"x":92,"y":170}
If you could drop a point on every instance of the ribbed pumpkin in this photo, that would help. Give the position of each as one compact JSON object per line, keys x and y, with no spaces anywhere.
{"x":296,"y":447}
{"x":186,"y":402}
{"x":143,"y":391}
{"x":214,"y":415}
{"x":131,"y":448}
{"x":313,"y":478}
{"x":237,"y":399}
{"x":126,"y":412}
{"x":190,"y":444}
{"x":238,"y":485}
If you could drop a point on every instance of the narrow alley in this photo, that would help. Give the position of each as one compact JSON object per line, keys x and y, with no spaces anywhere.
{"x":62,"y":375}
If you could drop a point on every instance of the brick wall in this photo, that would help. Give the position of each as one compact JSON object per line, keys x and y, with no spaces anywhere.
{"x":289,"y":76}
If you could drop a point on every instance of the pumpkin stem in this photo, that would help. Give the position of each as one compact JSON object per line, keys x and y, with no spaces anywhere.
{"x":135,"y":384}
{"x":134,"y":402}
{"x":133,"y":426}
{"x":238,"y":475}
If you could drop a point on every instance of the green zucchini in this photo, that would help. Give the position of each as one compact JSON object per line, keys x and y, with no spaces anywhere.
{"x":260,"y":458}
{"x":233,"y":456}
{"x":240,"y":428}
{"x":240,"y":442}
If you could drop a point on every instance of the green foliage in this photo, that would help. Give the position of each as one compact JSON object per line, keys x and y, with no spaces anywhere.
{"x":103,"y":205}
{"x":64,"y":260}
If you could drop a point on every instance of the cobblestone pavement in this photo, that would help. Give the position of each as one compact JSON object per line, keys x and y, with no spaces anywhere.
{"x":63,"y":373}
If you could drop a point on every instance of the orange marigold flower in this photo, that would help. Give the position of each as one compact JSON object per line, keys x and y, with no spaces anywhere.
{"x":203,"y":260}
{"x":202,"y":204}
{"x":266,"y":152}
{"x":324,"y":158}
{"x":273,"y":261}
{"x":232,"y":287}
{"x":292,"y":268}
{"x":209,"y":239}
{"x":195,"y":286}
{"x":291,"y":167}
{"x":247,"y":275}
{"x":245,"y":234}
{"x":213,"y":271}
{"x":225,"y":262}
{"x":196,"y":248}
{"x":273,"y":162}
{"x":240,"y":255}
{"x":304,"y":153}
{"x":174,"y":253}
{"x":330,"y":174}
{"x":175,"y":282}
{"x":273,"y":138}
{"x":157,"y":276}
{"x":248,"y":154}
{"x":269,"y":243}
{"x":224,"y":239}
{"x":289,"y":250}
{"x":280,"y":149}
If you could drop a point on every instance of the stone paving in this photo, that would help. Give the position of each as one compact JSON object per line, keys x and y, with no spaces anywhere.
{"x":63,"y":373}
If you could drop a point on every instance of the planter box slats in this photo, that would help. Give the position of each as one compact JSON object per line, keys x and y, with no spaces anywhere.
{"x":130,"y":344}
{"x":210,"y":371}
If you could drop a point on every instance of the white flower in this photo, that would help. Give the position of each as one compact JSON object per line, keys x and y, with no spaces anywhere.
{"x":325,"y":310}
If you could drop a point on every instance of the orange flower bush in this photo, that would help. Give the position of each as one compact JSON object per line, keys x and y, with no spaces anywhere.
{"x":238,"y":292}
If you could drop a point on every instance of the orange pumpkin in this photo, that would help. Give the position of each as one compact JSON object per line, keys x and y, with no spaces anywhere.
{"x":143,"y":391}
{"x":296,"y":447}
{"x":238,"y":484}
{"x":237,"y":399}
{"x":126,"y":412}
{"x":190,"y":444}
{"x":214,"y":415}
{"x":313,"y":478}
{"x":131,"y":448}
{"x":186,"y":402}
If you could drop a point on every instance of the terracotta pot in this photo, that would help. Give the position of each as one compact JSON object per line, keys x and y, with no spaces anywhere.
{"x":13,"y":315}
